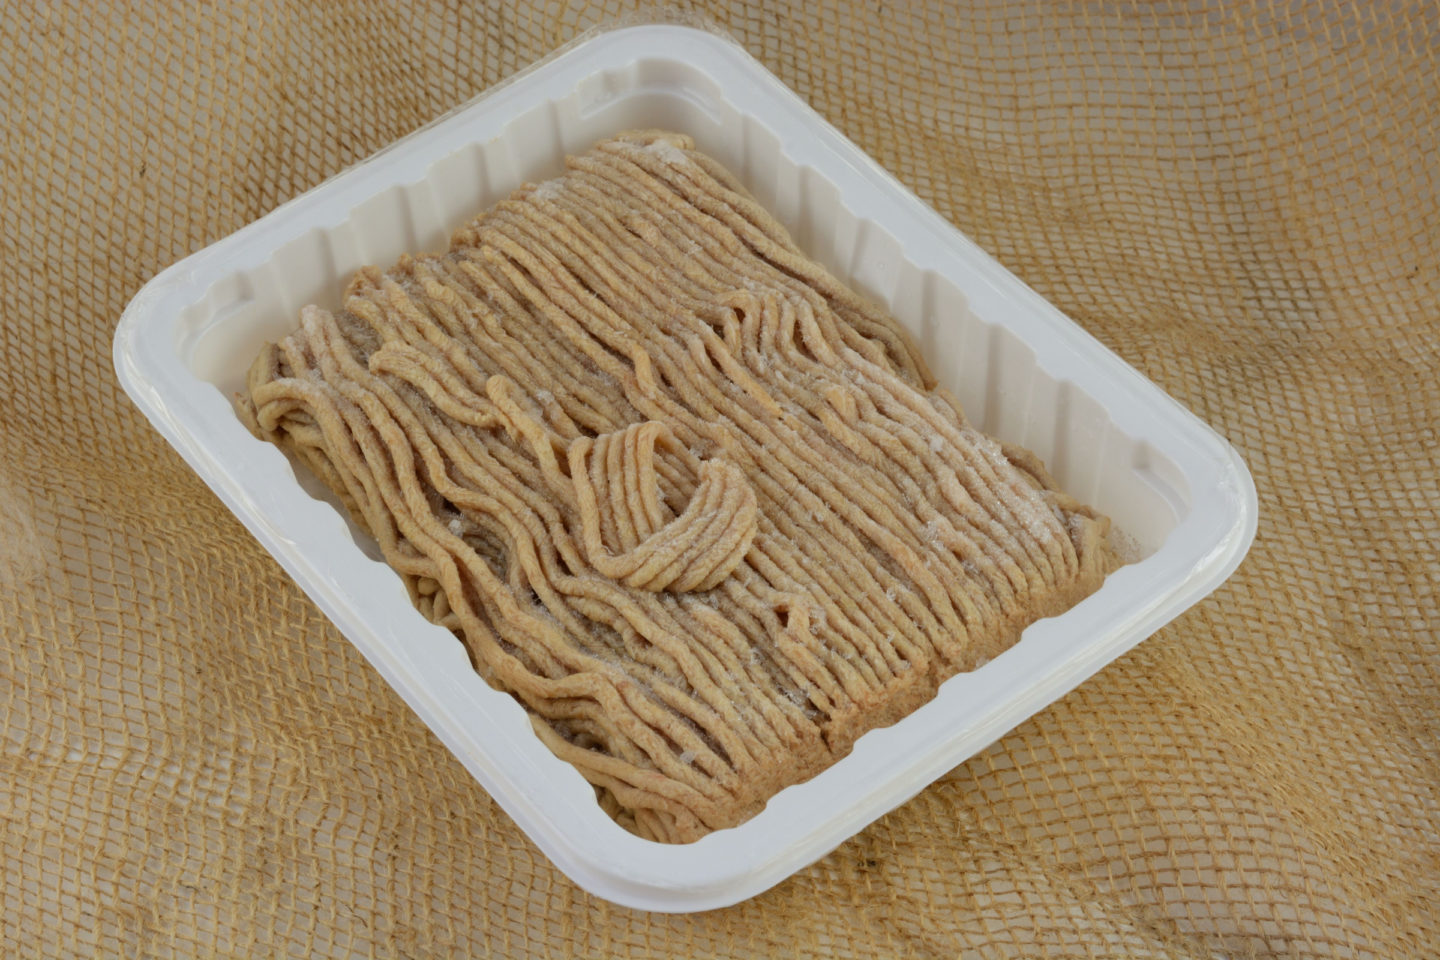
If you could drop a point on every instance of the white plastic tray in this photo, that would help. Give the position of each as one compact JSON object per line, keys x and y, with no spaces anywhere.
{"x":1022,"y":370}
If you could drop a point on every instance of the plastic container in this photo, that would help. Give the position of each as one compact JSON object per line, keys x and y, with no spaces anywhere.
{"x":1023,"y":371}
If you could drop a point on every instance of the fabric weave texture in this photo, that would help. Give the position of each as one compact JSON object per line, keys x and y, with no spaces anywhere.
{"x":1239,"y":199}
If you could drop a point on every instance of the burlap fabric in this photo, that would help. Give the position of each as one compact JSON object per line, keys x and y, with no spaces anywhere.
{"x":1240,"y":200}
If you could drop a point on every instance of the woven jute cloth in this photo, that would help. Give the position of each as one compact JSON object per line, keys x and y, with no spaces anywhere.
{"x":1241,"y":200}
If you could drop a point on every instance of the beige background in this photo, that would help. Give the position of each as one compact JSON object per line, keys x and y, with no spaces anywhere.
{"x":1240,"y":200}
